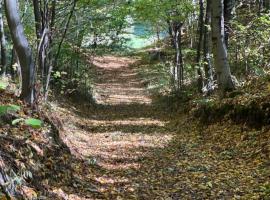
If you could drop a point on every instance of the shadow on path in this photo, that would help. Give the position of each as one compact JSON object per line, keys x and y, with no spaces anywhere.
{"x":110,"y":142}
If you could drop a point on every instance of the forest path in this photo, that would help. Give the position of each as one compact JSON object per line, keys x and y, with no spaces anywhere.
{"x":126,"y":147}
{"x":116,"y":136}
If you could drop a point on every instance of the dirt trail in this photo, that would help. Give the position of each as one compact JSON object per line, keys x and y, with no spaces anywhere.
{"x":118,"y":83}
{"x":126,"y":148}
{"x":117,"y":135}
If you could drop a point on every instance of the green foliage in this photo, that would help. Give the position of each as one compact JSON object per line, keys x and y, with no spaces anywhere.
{"x":251,"y":41}
{"x":17,"y":121}
{"x":157,"y":13}
{"x":3,"y":85}
{"x":204,"y":101}
{"x":156,"y":76}
{"x":4,"y":109}
{"x":34,"y":123}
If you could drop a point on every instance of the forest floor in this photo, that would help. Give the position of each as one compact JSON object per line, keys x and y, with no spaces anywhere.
{"x":130,"y":148}
{"x":127,"y":146}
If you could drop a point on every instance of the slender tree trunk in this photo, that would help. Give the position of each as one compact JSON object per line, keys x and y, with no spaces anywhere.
{"x":3,"y":42}
{"x":50,"y":34}
{"x":170,"y":30}
{"x":228,"y":8}
{"x":53,"y":13}
{"x":178,"y":55}
{"x":200,"y":32}
{"x":65,"y":32}
{"x":11,"y":67}
{"x":22,"y":49}
{"x":223,"y":71}
{"x":260,"y":2}
{"x":199,"y":47}
{"x":208,"y":68}
{"x":37,"y":15}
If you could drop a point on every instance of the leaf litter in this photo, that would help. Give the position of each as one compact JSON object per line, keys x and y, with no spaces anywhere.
{"x":129,"y":148}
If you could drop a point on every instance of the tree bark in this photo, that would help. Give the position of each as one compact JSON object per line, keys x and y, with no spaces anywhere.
{"x":3,"y":43}
{"x":206,"y":45}
{"x":37,"y":15}
{"x":199,"y":47}
{"x":260,"y":2}
{"x":228,"y":8}
{"x":22,"y":49}
{"x":178,"y":55}
{"x":223,"y":71}
{"x":170,"y":31}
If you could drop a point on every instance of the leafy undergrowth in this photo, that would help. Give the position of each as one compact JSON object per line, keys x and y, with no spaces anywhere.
{"x":31,"y":157}
{"x":249,"y":105}
{"x":155,"y":74}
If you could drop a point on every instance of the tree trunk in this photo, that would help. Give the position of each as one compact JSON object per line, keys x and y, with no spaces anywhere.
{"x":3,"y":43}
{"x":199,"y":47}
{"x":37,"y":15}
{"x":22,"y":49}
{"x":223,"y":71}
{"x":170,"y":31}
{"x":260,"y":2}
{"x":206,"y":45}
{"x":65,"y":32}
{"x":228,"y":8}
{"x":178,"y":55}
{"x":208,"y":68}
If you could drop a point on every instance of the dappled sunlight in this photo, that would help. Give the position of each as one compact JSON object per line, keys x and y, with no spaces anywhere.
{"x":61,"y":194}
{"x":118,"y":144}
{"x":114,"y":137}
{"x":130,"y":121}
{"x":123,"y":99}
{"x":119,"y":166}
{"x":107,"y":180}
{"x":118,"y":83}
{"x":112,"y":62}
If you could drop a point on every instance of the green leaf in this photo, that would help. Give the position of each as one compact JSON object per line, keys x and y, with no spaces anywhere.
{"x":34,"y":123}
{"x":7,"y":108}
{"x":16,"y":121}
{"x":209,"y":184}
{"x":3,"y":85}
{"x":14,"y":108}
{"x":3,"y":110}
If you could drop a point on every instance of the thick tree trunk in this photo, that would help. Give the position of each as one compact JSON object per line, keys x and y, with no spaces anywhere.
{"x":3,"y":43}
{"x":223,"y":72}
{"x":22,"y":49}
